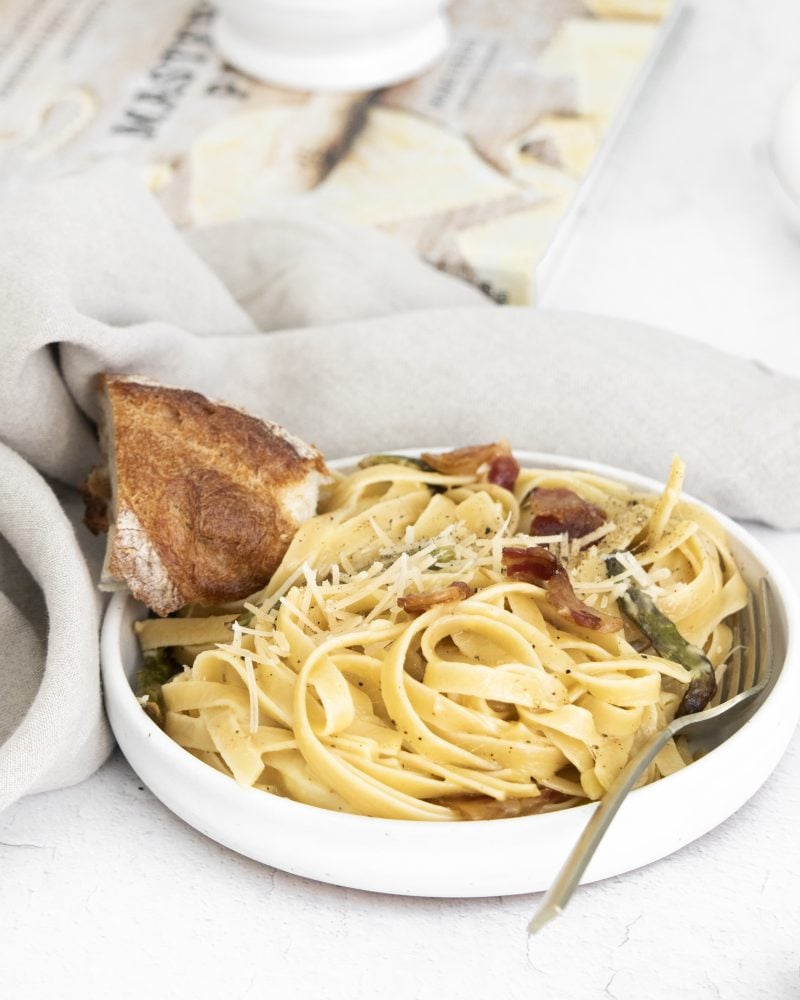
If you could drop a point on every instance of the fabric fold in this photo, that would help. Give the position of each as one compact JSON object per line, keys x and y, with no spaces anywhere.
{"x":60,"y":736}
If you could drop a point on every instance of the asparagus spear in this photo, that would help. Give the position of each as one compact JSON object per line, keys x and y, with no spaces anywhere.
{"x":443,"y":556}
{"x":413,"y":463}
{"x":157,"y":670}
{"x":668,"y":642}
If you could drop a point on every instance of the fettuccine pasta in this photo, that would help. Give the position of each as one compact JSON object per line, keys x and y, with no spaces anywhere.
{"x":411,"y":658}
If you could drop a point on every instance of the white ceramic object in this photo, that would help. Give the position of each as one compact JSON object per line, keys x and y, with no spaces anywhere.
{"x":331,"y":45}
{"x":484,"y":858}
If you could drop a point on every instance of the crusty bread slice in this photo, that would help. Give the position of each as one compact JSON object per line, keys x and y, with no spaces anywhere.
{"x":200,"y":500}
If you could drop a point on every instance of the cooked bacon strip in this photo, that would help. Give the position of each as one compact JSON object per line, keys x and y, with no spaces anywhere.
{"x":503,"y":471}
{"x":485,"y":807}
{"x":534,"y":564}
{"x":557,"y":511}
{"x":458,"y":591}
{"x":466,"y":461}
{"x":538,"y":565}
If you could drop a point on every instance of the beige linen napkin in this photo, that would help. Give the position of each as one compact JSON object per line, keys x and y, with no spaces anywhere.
{"x":369,"y":349}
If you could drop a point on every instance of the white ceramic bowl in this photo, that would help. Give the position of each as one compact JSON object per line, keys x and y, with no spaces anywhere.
{"x":484,"y":858}
{"x":331,"y":45}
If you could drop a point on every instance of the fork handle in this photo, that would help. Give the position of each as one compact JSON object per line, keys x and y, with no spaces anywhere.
{"x":561,"y":890}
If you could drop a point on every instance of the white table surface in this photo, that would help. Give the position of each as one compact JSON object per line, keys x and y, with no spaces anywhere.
{"x":105,"y":894}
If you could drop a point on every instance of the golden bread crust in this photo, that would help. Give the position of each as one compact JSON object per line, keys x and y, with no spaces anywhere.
{"x":206,"y":497}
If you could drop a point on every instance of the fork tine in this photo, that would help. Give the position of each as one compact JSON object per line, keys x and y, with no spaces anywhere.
{"x":752,"y":651}
{"x":722,"y":687}
{"x":730,"y":679}
{"x":763,"y":666}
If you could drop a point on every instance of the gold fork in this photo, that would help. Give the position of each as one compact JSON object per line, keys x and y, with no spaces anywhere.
{"x":746,"y":677}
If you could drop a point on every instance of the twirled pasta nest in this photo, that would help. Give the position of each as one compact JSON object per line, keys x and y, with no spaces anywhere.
{"x":449,"y":638}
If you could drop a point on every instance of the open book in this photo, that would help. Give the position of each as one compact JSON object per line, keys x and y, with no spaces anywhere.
{"x":476,"y":164}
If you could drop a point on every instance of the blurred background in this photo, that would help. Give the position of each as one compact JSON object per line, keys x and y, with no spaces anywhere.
{"x":611,"y":156}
